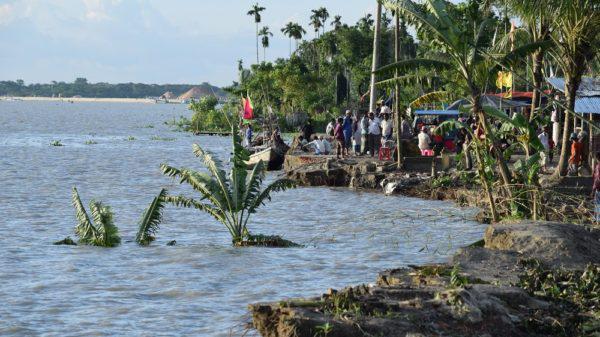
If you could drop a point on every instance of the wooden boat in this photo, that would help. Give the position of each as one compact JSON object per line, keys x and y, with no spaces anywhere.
{"x":270,"y":156}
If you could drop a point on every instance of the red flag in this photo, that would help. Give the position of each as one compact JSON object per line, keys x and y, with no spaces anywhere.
{"x":248,"y":108}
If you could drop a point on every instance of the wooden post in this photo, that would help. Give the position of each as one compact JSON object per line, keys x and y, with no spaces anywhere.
{"x":399,"y":116}
{"x":375,"y":63}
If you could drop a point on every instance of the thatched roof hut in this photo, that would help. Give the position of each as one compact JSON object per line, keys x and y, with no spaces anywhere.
{"x":196,"y":93}
{"x":168,"y":95}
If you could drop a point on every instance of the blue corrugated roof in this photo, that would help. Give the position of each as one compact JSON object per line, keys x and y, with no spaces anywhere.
{"x":437,"y":112}
{"x":590,"y":86}
{"x":587,"y":105}
{"x":588,"y":95}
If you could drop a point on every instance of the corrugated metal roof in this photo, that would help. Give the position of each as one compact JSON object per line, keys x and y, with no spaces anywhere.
{"x":437,"y":112}
{"x":588,"y":105}
{"x":590,"y":86}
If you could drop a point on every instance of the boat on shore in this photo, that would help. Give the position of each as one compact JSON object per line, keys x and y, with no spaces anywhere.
{"x":271,"y":156}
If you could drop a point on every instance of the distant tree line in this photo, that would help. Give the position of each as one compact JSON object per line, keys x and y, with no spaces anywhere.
{"x":81,"y":87}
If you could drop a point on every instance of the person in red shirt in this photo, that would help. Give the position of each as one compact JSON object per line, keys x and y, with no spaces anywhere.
{"x":576,"y":155}
{"x":338,"y":133}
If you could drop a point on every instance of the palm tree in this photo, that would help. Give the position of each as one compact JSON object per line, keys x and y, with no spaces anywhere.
{"x":464,"y":60}
{"x":229,"y":198}
{"x":102,"y":232}
{"x":337,"y":22}
{"x":255,"y":12}
{"x":297,"y":33}
{"x":366,"y":22}
{"x":536,"y":18}
{"x":315,"y":21}
{"x":576,"y":34}
{"x":265,"y":33}
{"x":323,"y":14}
{"x":287,"y":31}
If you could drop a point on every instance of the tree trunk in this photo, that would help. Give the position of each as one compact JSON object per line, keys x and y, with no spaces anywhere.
{"x":486,"y":184}
{"x":571,"y":86}
{"x":375,"y":63}
{"x":538,"y":59}
{"x":397,"y":94}
{"x":257,"y":57}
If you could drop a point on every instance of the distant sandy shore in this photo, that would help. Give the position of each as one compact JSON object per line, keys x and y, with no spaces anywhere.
{"x":87,"y":99}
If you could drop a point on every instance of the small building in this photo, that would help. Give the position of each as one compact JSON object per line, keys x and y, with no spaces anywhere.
{"x":168,"y":95}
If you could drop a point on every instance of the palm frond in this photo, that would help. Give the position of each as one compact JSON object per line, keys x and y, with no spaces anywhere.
{"x":215,"y":212}
{"x":515,"y":57}
{"x":215,"y":167}
{"x":412,"y":64}
{"x":253,"y":184}
{"x":108,"y":233}
{"x":406,"y":79}
{"x":432,"y":97}
{"x":208,"y":186}
{"x":85,"y":230}
{"x":151,"y":220}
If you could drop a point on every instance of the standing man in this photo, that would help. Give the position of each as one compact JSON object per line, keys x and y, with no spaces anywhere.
{"x":330,"y":127}
{"x":374,"y":134}
{"x":386,"y":127}
{"x":545,"y":140}
{"x":364,"y":134}
{"x":424,"y":142}
{"x":347,"y":131}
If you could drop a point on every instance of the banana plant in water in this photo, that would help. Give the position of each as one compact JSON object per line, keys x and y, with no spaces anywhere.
{"x":102,"y":231}
{"x":151,"y":219}
{"x":229,"y":198}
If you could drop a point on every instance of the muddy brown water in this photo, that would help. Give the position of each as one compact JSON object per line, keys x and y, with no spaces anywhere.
{"x":202,"y":285}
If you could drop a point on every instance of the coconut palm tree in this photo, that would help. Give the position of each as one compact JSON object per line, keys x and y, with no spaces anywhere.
{"x":102,"y":232}
{"x":337,"y":22}
{"x":265,"y":33}
{"x":255,"y":12}
{"x":229,"y":198}
{"x":576,"y":34}
{"x":463,"y":45}
{"x":366,"y":22}
{"x":536,"y":18}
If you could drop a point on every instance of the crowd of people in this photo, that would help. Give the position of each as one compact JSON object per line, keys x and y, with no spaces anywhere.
{"x":352,"y":134}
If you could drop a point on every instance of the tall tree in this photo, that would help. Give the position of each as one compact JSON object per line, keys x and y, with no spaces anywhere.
{"x":293,"y":31}
{"x":576,"y":33}
{"x":337,"y":22}
{"x":324,"y":16}
{"x":255,"y":12}
{"x":315,"y":21}
{"x":265,"y":33}
{"x":375,"y":61}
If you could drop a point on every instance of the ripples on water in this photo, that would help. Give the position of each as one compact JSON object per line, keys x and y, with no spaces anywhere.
{"x":203,"y":285}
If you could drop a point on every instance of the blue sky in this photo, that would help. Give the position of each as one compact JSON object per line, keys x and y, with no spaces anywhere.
{"x":149,"y":41}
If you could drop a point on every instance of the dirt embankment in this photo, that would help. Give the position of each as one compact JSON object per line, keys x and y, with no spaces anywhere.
{"x":473,"y":295}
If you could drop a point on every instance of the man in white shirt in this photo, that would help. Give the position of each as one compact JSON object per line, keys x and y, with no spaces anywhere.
{"x":326,"y":145}
{"x":374,"y":134}
{"x":543,"y":137}
{"x":386,"y":127}
{"x":330,"y":127}
{"x":424,"y":142}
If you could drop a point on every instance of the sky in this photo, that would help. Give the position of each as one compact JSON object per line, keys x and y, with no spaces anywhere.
{"x":146,"y":41}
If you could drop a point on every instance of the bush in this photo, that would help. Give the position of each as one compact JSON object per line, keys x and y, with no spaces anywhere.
{"x":207,"y":117}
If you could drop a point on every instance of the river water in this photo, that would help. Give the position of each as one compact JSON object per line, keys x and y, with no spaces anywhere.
{"x":201,"y":286}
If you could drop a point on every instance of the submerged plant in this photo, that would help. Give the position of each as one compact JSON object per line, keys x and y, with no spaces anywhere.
{"x":102,"y":232}
{"x":56,"y":143}
{"x":130,"y":138}
{"x":91,"y":142}
{"x":151,"y":219}
{"x":230,"y":198}
{"x":164,"y":139}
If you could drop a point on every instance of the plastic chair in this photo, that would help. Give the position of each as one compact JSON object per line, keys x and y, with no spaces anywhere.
{"x":385,"y":153}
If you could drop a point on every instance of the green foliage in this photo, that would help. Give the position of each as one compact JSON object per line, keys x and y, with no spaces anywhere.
{"x":230,"y":198}
{"x":102,"y":232}
{"x":207,"y":117}
{"x":457,"y":280}
{"x":130,"y":138}
{"x":581,"y":288}
{"x":91,"y":142}
{"x":66,"y":241}
{"x":443,"y":181}
{"x":151,"y":219}
{"x":324,"y":329}
{"x":56,"y":143}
